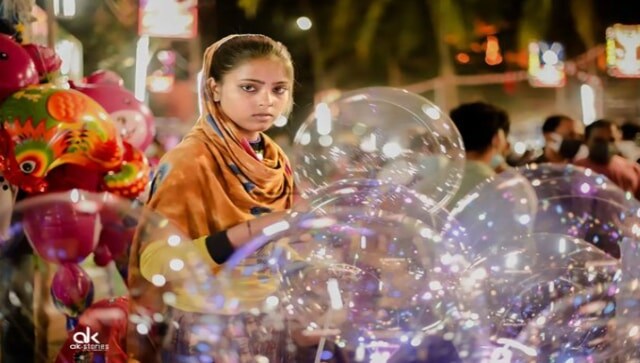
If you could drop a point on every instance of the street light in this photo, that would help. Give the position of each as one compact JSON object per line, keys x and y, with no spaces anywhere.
{"x":304,"y":23}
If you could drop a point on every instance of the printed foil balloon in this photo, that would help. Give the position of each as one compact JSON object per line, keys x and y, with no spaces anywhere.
{"x":129,"y":180}
{"x":133,"y":118}
{"x":17,"y":70}
{"x":132,"y":177}
{"x":45,"y":127}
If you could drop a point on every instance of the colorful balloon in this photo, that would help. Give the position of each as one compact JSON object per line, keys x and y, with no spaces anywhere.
{"x":132,"y":177}
{"x":45,"y":127}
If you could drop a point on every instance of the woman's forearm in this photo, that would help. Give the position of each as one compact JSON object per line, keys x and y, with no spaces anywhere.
{"x":243,"y":233}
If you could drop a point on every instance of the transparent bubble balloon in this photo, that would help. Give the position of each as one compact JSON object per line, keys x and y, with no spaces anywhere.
{"x":597,"y":325}
{"x":89,"y":295}
{"x":586,"y":205}
{"x":380,"y":133}
{"x":522,"y":276}
{"x":366,"y":267}
{"x":503,"y":206}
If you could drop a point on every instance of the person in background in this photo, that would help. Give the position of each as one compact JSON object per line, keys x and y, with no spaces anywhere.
{"x":628,"y":146}
{"x":562,"y":137}
{"x":604,"y":157}
{"x":484,"y":129}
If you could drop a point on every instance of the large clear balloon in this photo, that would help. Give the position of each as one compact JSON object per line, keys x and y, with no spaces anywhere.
{"x":65,"y":228}
{"x":366,"y":267}
{"x":520,"y":267}
{"x":380,"y":133}
{"x":597,"y":325}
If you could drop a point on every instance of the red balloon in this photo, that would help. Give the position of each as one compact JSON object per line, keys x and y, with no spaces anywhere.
{"x":117,"y":232}
{"x":108,"y":318}
{"x":72,"y":290}
{"x":60,"y":233}
{"x":102,"y":255}
{"x":17,"y":69}
{"x":45,"y":59}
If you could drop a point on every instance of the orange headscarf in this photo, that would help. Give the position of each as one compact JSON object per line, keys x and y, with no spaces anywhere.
{"x":210,"y":182}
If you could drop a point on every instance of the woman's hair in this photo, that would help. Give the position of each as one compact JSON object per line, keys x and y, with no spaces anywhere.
{"x":242,"y":48}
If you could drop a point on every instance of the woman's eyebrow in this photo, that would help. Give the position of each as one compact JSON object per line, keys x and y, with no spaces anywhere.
{"x":263,"y":82}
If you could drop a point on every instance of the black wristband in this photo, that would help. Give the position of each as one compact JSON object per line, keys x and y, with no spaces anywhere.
{"x":219,"y":247}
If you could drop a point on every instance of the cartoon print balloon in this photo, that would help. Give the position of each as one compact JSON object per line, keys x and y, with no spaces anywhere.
{"x":45,"y":127}
{"x":132,"y":177}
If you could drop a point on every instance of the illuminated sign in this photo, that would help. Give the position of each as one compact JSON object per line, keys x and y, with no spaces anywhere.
{"x":546,"y":65}
{"x":168,"y":18}
{"x":161,"y":79}
{"x":622,"y":51}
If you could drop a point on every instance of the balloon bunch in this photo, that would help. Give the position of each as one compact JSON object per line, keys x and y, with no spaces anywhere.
{"x":56,"y":137}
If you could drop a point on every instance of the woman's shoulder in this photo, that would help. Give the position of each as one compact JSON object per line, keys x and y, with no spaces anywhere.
{"x":189,"y":153}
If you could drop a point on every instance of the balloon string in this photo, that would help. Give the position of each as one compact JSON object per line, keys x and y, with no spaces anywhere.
{"x":323,"y":340}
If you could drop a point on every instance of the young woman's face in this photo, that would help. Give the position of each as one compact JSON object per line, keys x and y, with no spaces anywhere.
{"x":254,"y":94}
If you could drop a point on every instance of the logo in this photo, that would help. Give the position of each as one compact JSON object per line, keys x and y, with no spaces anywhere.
{"x":87,"y":341}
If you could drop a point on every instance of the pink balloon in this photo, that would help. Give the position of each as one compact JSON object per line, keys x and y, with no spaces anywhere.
{"x":133,"y":118}
{"x":71,"y":290}
{"x":61,"y":234}
{"x":104,"y":77}
{"x":17,"y":69}
{"x":45,"y":59}
{"x":102,"y":255}
{"x":117,"y":233}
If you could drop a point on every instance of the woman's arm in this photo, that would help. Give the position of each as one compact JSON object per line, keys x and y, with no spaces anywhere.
{"x":215,"y":250}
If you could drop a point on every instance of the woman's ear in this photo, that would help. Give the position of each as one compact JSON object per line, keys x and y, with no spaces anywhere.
{"x":215,"y":89}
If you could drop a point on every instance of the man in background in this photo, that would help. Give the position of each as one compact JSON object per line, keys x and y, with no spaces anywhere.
{"x":484,"y":129}
{"x":604,"y":158}
{"x":562,"y":136}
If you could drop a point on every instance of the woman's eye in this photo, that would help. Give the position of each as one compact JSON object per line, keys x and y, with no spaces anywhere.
{"x":280,"y":90}
{"x":248,"y":88}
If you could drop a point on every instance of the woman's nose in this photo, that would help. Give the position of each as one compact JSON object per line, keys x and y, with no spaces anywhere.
{"x":266,"y":98}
